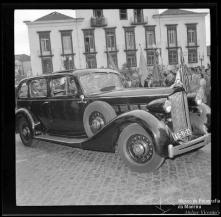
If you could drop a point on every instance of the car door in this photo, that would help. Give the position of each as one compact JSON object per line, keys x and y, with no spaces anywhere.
{"x":38,"y":91}
{"x":67,"y":112}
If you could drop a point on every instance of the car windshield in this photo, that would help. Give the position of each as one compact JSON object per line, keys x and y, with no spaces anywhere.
{"x":99,"y":82}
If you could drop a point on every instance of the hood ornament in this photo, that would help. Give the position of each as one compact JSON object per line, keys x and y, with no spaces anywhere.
{"x":177,"y":82}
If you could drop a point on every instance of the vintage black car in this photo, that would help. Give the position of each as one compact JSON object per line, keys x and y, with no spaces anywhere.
{"x":91,"y":109}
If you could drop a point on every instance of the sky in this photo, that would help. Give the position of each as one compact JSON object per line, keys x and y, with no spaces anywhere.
{"x":21,"y":30}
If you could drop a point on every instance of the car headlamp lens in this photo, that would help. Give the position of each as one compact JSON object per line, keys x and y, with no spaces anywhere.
{"x":198,"y":100}
{"x":167,"y":106}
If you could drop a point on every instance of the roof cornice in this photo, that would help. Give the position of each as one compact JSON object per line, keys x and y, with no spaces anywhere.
{"x":74,"y":20}
{"x":179,"y":15}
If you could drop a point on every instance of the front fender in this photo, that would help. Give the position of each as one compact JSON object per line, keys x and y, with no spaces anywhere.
{"x":105,"y":140}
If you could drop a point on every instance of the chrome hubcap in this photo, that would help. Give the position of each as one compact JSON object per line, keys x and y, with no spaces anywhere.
{"x":96,"y":121}
{"x":140,"y":148}
{"x":26,"y":133}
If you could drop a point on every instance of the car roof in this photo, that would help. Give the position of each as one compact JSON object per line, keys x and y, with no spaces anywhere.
{"x":73,"y":72}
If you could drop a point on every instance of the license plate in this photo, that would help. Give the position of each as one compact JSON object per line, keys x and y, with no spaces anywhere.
{"x":181,"y":134}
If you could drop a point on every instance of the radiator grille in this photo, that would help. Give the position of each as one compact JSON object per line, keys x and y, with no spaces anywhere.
{"x":179,"y":112}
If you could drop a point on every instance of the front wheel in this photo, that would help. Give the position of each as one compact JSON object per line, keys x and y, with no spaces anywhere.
{"x":25,"y":131}
{"x":137,"y":150}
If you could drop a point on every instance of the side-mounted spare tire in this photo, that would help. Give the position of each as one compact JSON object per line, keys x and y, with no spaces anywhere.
{"x":96,"y":115}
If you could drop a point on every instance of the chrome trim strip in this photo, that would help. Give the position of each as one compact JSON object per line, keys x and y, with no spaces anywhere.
{"x":89,"y":97}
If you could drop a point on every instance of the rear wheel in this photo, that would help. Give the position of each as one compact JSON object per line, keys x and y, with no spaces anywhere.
{"x":137,"y":150}
{"x":25,"y":131}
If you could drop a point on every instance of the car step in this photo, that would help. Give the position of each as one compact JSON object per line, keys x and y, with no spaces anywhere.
{"x":72,"y":142}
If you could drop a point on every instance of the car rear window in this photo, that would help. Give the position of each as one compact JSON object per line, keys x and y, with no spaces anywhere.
{"x":23,"y":91}
{"x":38,"y":88}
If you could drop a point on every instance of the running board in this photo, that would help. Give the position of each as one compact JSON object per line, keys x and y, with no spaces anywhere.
{"x":72,"y":142}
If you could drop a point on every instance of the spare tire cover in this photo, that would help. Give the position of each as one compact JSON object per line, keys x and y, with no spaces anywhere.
{"x":98,"y":109}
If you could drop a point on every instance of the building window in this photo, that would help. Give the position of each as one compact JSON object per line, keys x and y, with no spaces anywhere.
{"x":131,"y":59}
{"x":150,"y":57}
{"x":45,"y":44}
{"x":150,"y":36}
{"x":172,"y":36}
{"x":47,"y":66}
{"x":114,"y":58}
{"x":89,"y":41}
{"x":173,"y":56}
{"x":98,"y":13}
{"x":192,"y":55}
{"x":67,"y":50}
{"x":191,"y":35}
{"x":66,"y":40}
{"x":130,"y":39}
{"x":68,"y":62}
{"x":138,"y":16}
{"x":110,"y":39}
{"x":91,"y":61}
{"x":123,"y":14}
{"x":172,"y":44}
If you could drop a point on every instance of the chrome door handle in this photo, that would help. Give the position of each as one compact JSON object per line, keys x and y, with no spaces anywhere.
{"x":84,"y":102}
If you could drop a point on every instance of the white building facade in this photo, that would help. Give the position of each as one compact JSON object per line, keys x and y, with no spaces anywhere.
{"x":59,"y":42}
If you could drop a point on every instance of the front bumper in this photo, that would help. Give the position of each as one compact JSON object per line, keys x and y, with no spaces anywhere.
{"x":184,"y":147}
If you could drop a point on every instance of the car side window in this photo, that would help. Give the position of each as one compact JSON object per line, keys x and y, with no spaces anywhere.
{"x":23,"y":91}
{"x":38,"y":88}
{"x":72,"y":88}
{"x":58,"y":86}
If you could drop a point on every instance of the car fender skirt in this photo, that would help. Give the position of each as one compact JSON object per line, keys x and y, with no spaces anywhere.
{"x":105,"y":140}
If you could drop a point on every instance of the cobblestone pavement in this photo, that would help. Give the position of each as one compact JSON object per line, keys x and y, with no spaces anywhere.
{"x":50,"y":174}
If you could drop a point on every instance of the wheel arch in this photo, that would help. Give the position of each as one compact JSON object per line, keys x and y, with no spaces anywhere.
{"x":22,"y":112}
{"x":159,"y":132}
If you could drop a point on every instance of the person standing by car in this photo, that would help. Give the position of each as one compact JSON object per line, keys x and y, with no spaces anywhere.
{"x":202,"y":88}
{"x":208,"y":86}
{"x":170,"y":78}
{"x":146,"y":82}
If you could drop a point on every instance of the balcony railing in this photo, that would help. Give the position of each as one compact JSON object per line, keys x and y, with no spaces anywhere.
{"x":139,"y":20}
{"x":98,"y":21}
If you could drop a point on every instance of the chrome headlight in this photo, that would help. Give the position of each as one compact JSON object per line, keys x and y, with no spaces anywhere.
{"x":198,"y":99}
{"x":167,"y":106}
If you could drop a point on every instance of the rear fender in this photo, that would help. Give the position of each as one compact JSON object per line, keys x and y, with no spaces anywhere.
{"x":22,"y":112}
{"x":106,"y":139}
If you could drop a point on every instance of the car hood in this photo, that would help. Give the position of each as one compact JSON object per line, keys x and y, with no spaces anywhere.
{"x":135,"y":92}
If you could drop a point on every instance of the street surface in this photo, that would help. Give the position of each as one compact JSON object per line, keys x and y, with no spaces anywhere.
{"x":50,"y":174}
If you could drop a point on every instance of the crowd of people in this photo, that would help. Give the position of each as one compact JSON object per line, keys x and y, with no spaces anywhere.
{"x":198,"y":79}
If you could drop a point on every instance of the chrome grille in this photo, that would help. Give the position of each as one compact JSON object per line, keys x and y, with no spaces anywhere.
{"x":180,"y":112}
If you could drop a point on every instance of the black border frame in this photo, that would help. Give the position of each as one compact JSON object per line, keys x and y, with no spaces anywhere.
{"x":8,"y":107}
